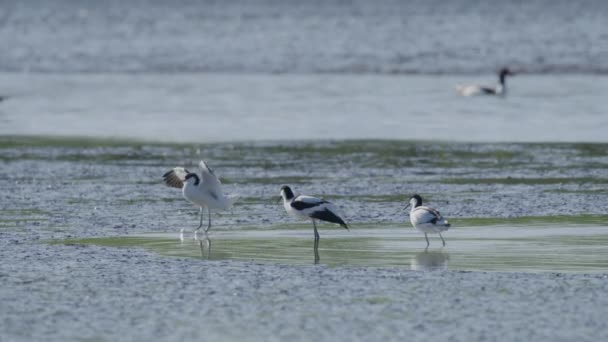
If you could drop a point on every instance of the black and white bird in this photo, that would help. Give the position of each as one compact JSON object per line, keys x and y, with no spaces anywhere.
{"x":310,"y":207}
{"x":426,"y":219}
{"x":203,"y":190}
{"x":498,"y":89}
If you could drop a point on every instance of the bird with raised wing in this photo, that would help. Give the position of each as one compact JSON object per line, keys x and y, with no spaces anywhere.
{"x":202,"y":189}
{"x":426,"y":219}
{"x":311,"y":208}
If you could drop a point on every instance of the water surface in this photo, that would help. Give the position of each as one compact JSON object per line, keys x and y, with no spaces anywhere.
{"x":387,"y":36}
{"x":203,"y":108}
{"x":504,"y":247}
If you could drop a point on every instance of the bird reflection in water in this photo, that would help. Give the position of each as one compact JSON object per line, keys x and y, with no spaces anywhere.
{"x":204,"y":243}
{"x":430,"y":261}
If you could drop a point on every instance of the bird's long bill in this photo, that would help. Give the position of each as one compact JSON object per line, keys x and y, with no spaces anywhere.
{"x":407,"y":206}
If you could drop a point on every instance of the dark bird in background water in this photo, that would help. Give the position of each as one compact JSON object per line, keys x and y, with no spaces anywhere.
{"x":498,"y":89}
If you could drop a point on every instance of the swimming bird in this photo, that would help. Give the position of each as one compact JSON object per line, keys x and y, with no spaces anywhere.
{"x":203,"y":190}
{"x":426,"y":219}
{"x":499,"y":89}
{"x":310,"y":207}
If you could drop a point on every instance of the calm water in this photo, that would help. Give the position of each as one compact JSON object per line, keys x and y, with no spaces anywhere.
{"x":228,"y":107}
{"x":505,"y":246}
{"x":207,"y":71}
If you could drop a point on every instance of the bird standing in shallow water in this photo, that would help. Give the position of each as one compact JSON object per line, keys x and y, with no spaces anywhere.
{"x":426,"y":219}
{"x":204,"y":190}
{"x":310,"y":207}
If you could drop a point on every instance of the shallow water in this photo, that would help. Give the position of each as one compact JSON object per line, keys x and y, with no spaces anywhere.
{"x":506,"y":248}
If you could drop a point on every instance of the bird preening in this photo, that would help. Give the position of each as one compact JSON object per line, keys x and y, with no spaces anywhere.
{"x":202,"y":189}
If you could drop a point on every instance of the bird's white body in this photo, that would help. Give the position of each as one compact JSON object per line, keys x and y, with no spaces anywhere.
{"x":311,"y":208}
{"x":427,"y":219}
{"x":499,"y":89}
{"x":203,"y":189}
{"x":475,"y":89}
{"x":206,"y":195}
{"x":316,"y":205}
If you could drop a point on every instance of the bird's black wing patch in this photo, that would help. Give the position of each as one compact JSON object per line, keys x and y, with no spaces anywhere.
{"x":328,"y":216}
{"x":488,"y":90}
{"x":299,"y":205}
{"x":172,"y":180}
{"x":437,"y":215}
{"x":431,"y":215}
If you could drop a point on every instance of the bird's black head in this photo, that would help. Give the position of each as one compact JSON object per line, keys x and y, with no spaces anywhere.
{"x":286,"y":192}
{"x":193,"y":175}
{"x":416,"y":200}
{"x":504,"y":72}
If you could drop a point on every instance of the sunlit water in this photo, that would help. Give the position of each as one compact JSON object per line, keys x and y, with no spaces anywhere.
{"x":202,"y":108}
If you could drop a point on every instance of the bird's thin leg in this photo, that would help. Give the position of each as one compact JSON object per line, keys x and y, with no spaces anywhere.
{"x":199,"y":226}
{"x":442,"y":240}
{"x":427,"y":241}
{"x":316,"y":249}
{"x":314,"y":224}
{"x":201,"y":222}
{"x":208,"y":219}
